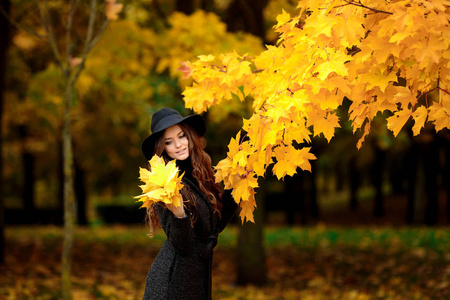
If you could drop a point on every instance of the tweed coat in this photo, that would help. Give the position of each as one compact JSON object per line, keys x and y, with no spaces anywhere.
{"x":182,"y":268}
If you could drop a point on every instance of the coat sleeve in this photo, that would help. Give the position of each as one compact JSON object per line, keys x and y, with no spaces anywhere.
{"x":179,"y":231}
{"x":229,"y":207}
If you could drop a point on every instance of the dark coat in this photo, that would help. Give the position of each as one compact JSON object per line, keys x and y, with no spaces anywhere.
{"x":182,"y":268}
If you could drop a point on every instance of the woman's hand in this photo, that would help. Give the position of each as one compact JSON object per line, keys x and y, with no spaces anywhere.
{"x":177,"y":211}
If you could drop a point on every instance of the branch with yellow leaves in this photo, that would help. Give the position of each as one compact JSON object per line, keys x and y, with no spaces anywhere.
{"x":359,"y":3}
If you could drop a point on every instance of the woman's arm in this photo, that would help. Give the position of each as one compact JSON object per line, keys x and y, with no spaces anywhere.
{"x":178,"y":230}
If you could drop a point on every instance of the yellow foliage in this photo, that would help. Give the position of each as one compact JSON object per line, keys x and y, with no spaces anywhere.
{"x":341,"y":49}
{"x":162,"y":183}
{"x":197,"y":34}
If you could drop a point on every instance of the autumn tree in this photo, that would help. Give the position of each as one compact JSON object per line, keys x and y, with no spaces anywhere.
{"x":71,"y":64}
{"x":328,"y":51}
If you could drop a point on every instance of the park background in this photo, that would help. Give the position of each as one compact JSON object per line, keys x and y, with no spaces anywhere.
{"x":364,"y":224}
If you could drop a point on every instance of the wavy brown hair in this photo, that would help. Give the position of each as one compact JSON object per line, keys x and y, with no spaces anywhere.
{"x":201,"y":170}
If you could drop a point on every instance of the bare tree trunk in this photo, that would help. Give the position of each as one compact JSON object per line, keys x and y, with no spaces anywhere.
{"x":185,"y":6}
{"x":431,"y":165}
{"x":354,"y":183}
{"x":247,"y":15}
{"x":315,"y":209}
{"x":446,"y":171}
{"x":4,"y":43}
{"x":377,"y":180}
{"x":251,"y":263}
{"x":80,"y":193}
{"x":28,"y":185}
{"x":69,"y":198}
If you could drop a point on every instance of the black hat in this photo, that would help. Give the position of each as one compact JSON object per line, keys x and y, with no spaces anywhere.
{"x":165,"y":118}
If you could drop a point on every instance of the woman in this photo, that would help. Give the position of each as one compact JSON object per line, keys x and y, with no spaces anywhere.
{"x":182,"y":268}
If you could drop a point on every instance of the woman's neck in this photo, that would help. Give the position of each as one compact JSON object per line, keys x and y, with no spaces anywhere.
{"x":185,"y":166}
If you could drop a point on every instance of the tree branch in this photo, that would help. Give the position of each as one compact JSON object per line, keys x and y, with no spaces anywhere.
{"x":72,"y":8}
{"x":90,"y":42}
{"x":45,"y":16}
{"x":17,"y":25}
{"x":351,"y":2}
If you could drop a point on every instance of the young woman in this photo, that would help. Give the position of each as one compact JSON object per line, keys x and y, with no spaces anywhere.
{"x":182,"y":268}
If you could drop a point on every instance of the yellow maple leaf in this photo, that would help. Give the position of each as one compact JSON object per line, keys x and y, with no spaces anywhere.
{"x":320,"y":24}
{"x":420,"y":116}
{"x":378,"y":78}
{"x":282,"y":18}
{"x":289,"y":158}
{"x":334,"y":62}
{"x":247,"y":208}
{"x":440,"y":116}
{"x":398,"y":120}
{"x":162,"y":183}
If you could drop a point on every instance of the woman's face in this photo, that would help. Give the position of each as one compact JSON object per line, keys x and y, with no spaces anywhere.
{"x":176,"y":144}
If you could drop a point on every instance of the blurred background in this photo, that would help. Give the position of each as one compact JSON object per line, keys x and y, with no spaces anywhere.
{"x":364,"y":224}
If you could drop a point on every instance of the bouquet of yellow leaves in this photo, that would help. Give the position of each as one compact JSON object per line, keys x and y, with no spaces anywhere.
{"x":162,"y":183}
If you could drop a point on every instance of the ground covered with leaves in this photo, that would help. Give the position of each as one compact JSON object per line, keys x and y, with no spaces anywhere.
{"x":302,"y":263}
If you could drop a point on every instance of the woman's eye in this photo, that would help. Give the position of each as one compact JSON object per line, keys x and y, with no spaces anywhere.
{"x":168,"y":142}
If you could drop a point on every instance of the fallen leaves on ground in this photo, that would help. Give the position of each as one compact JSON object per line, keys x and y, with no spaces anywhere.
{"x":302,"y":263}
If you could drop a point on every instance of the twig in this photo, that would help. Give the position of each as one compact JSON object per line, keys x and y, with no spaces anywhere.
{"x":45,"y":16}
{"x":90,"y":42}
{"x":72,"y":8}
{"x":351,"y":2}
{"x":17,"y":25}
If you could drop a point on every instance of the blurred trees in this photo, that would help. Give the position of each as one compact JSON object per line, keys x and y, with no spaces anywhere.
{"x":4,"y":45}
{"x":132,"y":72}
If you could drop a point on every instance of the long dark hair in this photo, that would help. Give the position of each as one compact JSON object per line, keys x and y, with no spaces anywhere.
{"x":202,"y":172}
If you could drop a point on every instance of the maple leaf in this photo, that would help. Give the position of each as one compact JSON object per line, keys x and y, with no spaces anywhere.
{"x":162,"y":183}
{"x":247,"y":208}
{"x":320,"y":24}
{"x":398,"y":120}
{"x":186,"y":68}
{"x":282,"y":18}
{"x":112,"y":9}
{"x":420,"y":116}
{"x":440,"y":116}
{"x":289,"y":158}
{"x":335,"y":62}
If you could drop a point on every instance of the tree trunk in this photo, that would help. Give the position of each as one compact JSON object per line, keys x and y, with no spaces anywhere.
{"x":4,"y":44}
{"x":446,"y":171}
{"x":411,"y":166}
{"x":431,"y":165}
{"x":247,"y":15}
{"x":294,"y":197}
{"x":207,"y":5}
{"x":80,"y":193}
{"x":377,"y":179}
{"x":315,"y":209}
{"x":28,"y":185}
{"x":69,"y":198}
{"x":184,"y":6}
{"x":354,"y":183}
{"x":251,"y":264}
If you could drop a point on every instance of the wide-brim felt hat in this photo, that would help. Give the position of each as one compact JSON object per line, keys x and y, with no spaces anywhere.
{"x":165,"y":118}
